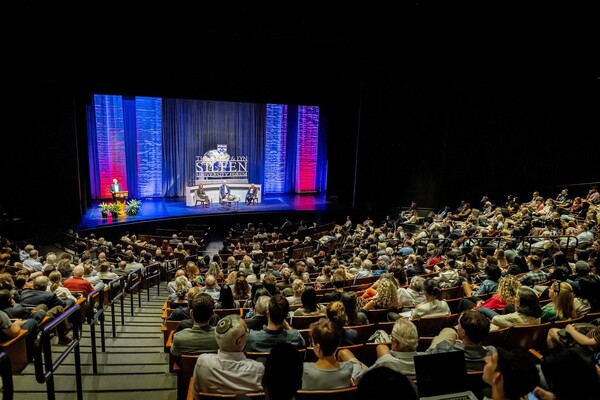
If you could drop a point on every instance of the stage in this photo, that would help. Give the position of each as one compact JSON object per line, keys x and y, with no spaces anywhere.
{"x":166,"y":210}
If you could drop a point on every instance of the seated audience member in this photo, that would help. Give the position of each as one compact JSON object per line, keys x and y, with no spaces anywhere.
{"x":338,"y":282}
{"x":171,"y":286}
{"x":528,"y":311}
{"x":184,"y":314}
{"x":355,"y":317}
{"x":228,"y":371}
{"x":505,"y":296}
{"x":387,"y":294}
{"x":493,"y":273}
{"x":259,"y":319}
{"x":56,"y":286}
{"x":277,"y":329}
{"x":200,"y":338}
{"x":412,"y":295}
{"x":512,"y":374}
{"x":297,"y":289}
{"x":386,"y":383}
{"x":104,"y":272}
{"x":212,"y":288}
{"x":310,"y":306}
{"x":257,"y":291}
{"x":77,"y":283}
{"x":567,"y":374}
{"x":400,"y":358}
{"x":226,"y":298}
{"x":40,"y":295}
{"x":336,"y":313}
{"x":535,"y":275}
{"x":283,"y":372}
{"x":468,"y":336}
{"x":329,"y":372}
{"x":562,"y":304}
{"x":21,"y":319}
{"x":431,"y":307}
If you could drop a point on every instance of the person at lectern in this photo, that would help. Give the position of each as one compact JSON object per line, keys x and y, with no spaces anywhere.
{"x":115,"y":187}
{"x":224,"y":190}
{"x":251,"y":193}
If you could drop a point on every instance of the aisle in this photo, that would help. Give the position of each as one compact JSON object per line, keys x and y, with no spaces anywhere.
{"x":133,"y":365}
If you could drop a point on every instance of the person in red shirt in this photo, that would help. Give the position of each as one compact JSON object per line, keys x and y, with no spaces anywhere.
{"x":77,"y":284}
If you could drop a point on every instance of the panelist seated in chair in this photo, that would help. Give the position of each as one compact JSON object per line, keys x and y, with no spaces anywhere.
{"x":251,"y":194}
{"x":201,"y":195}
{"x":224,"y":191}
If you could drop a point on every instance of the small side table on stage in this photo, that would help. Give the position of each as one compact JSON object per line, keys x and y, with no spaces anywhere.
{"x":228,"y":203}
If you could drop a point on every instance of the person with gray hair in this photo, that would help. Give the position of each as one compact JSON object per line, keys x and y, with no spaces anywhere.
{"x":228,"y":371}
{"x":259,"y":319}
{"x":413,"y":294}
{"x":400,"y":357}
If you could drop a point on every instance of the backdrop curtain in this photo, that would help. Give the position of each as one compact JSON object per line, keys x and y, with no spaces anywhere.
{"x":192,"y":127}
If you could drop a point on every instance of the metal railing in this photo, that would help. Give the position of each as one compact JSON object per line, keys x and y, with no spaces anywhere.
{"x":94,"y":316}
{"x":132,"y":284}
{"x":45,"y":367}
{"x":116,"y":291}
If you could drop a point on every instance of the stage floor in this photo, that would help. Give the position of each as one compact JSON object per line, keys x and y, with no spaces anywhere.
{"x":153,"y":209}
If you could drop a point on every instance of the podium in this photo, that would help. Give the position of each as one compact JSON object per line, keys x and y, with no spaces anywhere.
{"x":121,"y":199}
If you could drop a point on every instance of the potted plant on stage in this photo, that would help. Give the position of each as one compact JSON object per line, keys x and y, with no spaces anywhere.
{"x":132,"y":207}
{"x":104,"y":209}
{"x":115,"y":210}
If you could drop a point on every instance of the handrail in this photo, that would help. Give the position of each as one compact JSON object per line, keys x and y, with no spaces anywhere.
{"x":131,"y":286}
{"x":471,"y":240}
{"x":7,"y":379}
{"x":116,"y":290}
{"x":96,"y":297}
{"x":44,"y":345}
{"x":152,"y":272}
{"x":527,"y":239}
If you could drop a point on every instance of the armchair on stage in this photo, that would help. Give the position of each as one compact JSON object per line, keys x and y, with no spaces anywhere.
{"x":121,"y":200}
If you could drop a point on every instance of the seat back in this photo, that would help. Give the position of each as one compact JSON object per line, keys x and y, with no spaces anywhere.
{"x":222,"y":312}
{"x":303,"y":322}
{"x":364,"y":331}
{"x":496,"y":337}
{"x":526,"y":337}
{"x":349,"y":393}
{"x":356,"y":349}
{"x":561,"y":324}
{"x":431,"y":326}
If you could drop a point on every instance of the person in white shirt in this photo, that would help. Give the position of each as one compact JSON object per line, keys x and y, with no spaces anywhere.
{"x":228,"y":371}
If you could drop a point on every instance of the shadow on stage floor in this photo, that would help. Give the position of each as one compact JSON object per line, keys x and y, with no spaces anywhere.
{"x":166,"y":209}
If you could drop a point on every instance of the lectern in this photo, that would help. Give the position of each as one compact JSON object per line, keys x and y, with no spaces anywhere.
{"x":121,"y":199}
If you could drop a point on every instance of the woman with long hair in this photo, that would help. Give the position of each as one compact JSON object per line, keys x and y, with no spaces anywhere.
{"x":241,"y":288}
{"x":193,"y":273}
{"x":226,"y":298}
{"x":387,"y":294}
{"x":508,"y":287}
{"x":528,"y":311}
{"x":355,"y":317}
{"x":562,"y":305}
